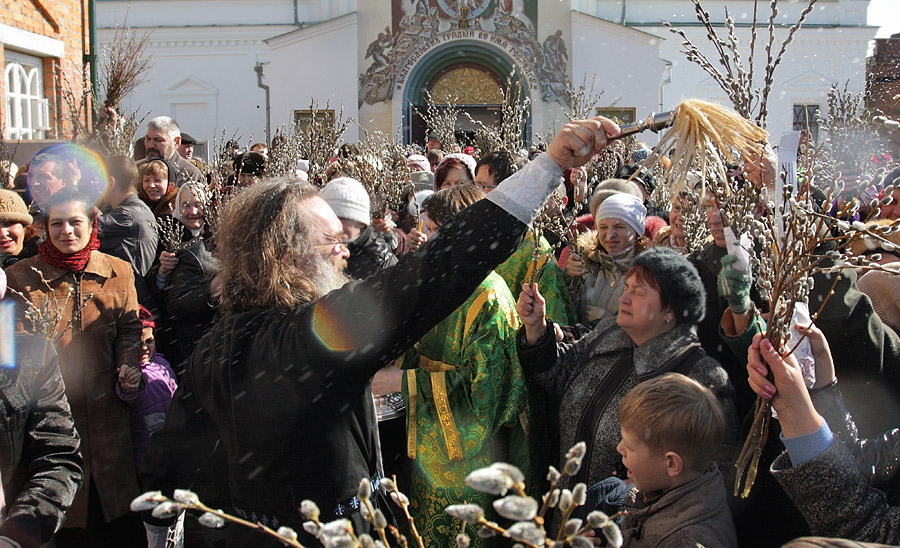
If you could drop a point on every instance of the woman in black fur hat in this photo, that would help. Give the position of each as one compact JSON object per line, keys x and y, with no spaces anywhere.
{"x":652,"y":334}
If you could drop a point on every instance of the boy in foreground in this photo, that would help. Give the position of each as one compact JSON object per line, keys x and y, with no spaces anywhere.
{"x":672,"y":428}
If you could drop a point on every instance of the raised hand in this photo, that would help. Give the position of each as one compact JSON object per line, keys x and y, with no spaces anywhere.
{"x":580,"y":140}
{"x":532,"y":309}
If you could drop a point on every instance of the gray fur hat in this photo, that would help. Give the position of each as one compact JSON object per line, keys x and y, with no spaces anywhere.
{"x":679,"y":283}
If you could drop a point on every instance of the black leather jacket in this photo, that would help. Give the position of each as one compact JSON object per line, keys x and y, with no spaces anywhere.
{"x":369,"y":253}
{"x":40,"y":459}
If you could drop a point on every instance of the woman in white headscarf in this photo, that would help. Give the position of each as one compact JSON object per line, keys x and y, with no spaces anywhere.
{"x":183,"y":282}
{"x":603,"y":256}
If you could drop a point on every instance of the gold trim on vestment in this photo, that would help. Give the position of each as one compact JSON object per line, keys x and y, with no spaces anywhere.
{"x":437,"y":371}
{"x":411,"y":410}
{"x":445,"y":415}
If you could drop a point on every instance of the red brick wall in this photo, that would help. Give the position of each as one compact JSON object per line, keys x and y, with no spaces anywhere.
{"x":883,"y":73}
{"x":71,"y":18}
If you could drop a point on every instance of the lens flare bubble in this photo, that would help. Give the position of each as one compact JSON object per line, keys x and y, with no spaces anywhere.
{"x":66,"y":165}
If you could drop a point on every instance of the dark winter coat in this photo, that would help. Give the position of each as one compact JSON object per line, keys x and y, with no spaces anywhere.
{"x":288,"y":394}
{"x":575,"y":371}
{"x":40,"y":460}
{"x":189,"y":305}
{"x":852,"y":490}
{"x":708,"y":261}
{"x":29,"y":249}
{"x":108,"y":334}
{"x":184,"y":300}
{"x":369,"y":253}
{"x":693,"y":514}
{"x":836,"y":499}
{"x":129,"y":232}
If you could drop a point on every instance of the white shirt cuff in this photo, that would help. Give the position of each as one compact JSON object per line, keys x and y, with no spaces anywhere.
{"x":524,"y":193}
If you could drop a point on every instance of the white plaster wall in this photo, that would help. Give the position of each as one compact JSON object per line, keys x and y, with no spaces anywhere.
{"x":374,"y":17}
{"x":205,"y":76}
{"x":548,"y":117}
{"x":318,"y":62}
{"x":164,"y":13}
{"x":827,"y":12}
{"x":624,"y":63}
{"x":210,"y":47}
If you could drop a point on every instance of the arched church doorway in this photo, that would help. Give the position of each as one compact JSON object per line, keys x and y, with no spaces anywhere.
{"x":467,"y":75}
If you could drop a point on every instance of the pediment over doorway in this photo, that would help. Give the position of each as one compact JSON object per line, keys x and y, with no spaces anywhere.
{"x":191,"y":86}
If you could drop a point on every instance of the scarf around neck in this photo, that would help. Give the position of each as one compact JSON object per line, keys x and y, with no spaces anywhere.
{"x":74,"y":262}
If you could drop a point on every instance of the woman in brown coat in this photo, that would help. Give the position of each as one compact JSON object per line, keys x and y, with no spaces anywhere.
{"x":97,"y":341}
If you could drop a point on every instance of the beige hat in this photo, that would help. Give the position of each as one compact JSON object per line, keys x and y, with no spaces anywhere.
{"x":12,"y":208}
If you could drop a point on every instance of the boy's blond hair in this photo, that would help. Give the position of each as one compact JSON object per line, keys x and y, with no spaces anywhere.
{"x":155,"y":169}
{"x":675,"y":413}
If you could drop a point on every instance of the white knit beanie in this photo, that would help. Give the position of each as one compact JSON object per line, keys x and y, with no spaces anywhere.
{"x":348,"y":198}
{"x":416,"y":204}
{"x":626,"y":207}
{"x":466,"y":159}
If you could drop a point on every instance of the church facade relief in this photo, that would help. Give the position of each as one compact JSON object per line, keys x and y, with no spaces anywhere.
{"x":419,"y":26}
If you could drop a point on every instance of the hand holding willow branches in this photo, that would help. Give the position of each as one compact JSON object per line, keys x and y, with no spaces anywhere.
{"x":532,"y":309}
{"x":759,"y":168}
{"x":130,"y":378}
{"x":415,"y":239}
{"x":167,"y":262}
{"x":787,"y":389}
{"x":574,"y":266}
{"x":579,"y":180}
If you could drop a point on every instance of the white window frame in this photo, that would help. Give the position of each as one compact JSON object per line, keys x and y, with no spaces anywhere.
{"x":27,"y":111}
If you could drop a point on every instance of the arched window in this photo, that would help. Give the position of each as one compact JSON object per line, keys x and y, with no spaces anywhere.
{"x":27,"y":112}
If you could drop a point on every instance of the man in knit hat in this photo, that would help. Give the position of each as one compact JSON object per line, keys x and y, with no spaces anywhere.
{"x":370,"y":251}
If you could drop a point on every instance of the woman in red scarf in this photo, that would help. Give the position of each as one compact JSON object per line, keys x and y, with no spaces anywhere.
{"x":97,"y":333}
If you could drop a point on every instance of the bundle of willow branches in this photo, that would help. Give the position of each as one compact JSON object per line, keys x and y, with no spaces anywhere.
{"x":735,"y":78}
{"x":46,"y":318}
{"x":797,"y":241}
{"x":441,"y":120}
{"x":706,"y":137}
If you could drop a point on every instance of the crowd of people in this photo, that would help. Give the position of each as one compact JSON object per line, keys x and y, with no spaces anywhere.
{"x":279,"y":340}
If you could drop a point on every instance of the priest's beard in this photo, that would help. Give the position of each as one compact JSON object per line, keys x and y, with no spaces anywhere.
{"x":325,"y":276}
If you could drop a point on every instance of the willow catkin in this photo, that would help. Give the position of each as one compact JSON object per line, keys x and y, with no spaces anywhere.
{"x":710,"y":132}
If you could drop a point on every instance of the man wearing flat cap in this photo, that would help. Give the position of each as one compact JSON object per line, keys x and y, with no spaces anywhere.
{"x":186,"y":151}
